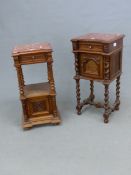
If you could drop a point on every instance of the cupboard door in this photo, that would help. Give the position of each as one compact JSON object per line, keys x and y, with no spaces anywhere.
{"x":91,"y":65}
{"x":39,"y":106}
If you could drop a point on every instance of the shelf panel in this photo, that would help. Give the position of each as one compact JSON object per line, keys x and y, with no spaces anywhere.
{"x":34,"y":90}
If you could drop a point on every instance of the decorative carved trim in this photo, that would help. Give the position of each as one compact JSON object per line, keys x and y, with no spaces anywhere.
{"x":106,"y":48}
{"x":76,"y":64}
{"x":50,"y":74}
{"x":20,"y":79}
{"x":95,"y":59}
{"x":107,"y":68}
{"x":39,"y":106}
{"x":90,"y":67}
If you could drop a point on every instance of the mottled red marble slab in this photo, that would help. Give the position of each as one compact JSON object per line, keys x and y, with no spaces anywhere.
{"x":31,"y":48}
{"x":99,"y":37}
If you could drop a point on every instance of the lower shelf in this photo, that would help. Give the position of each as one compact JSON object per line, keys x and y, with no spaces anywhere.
{"x":35,"y":90}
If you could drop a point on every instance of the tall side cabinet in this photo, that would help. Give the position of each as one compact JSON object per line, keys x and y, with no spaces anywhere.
{"x":98,"y":57}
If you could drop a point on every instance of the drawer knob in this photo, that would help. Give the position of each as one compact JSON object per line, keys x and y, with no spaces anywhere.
{"x":114,"y":44}
{"x":90,"y":46}
{"x":33,"y":57}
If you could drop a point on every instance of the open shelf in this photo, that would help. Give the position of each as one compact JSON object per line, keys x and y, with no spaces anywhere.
{"x":35,"y":90}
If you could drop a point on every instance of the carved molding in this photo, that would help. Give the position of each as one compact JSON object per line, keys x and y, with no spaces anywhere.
{"x":39,"y":106}
{"x":76,"y":64}
{"x":20,"y":79}
{"x":90,"y":67}
{"x":107,"y":68}
{"x":50,"y":75}
{"x":95,"y":59}
{"x":106,"y":48}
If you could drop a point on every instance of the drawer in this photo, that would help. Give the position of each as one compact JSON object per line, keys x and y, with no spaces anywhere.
{"x":113,"y":46}
{"x":39,"y":106}
{"x":86,"y":46}
{"x":30,"y":59}
{"x":91,"y":65}
{"x":97,"y":47}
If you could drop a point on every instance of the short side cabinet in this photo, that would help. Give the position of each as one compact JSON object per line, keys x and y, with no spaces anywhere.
{"x":38,"y":100}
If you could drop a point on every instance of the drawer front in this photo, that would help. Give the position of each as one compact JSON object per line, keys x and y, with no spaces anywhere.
{"x":91,"y":66}
{"x":30,"y":59}
{"x":84,"y":46}
{"x":97,"y":47}
{"x":38,"y":106}
{"x":113,"y":46}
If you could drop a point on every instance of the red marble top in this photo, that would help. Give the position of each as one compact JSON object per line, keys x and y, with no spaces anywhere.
{"x":31,"y":48}
{"x":99,"y":37}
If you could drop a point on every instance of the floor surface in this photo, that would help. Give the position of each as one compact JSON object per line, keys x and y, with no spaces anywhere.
{"x":80,"y":145}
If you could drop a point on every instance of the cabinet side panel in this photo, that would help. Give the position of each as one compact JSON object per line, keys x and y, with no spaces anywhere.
{"x":115,"y":64}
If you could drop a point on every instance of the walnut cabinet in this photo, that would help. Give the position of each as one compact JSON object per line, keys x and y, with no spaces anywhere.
{"x":38,"y":100}
{"x":98,"y":57}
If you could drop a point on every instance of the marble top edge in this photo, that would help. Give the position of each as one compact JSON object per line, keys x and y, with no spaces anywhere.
{"x":102,"y":37}
{"x":32,"y":48}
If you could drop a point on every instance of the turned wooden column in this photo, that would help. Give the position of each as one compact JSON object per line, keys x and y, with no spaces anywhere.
{"x":78,"y":107}
{"x":20,"y":79}
{"x":106,"y":104}
{"x":117,"y":93}
{"x":52,"y":84}
{"x":50,"y":74}
{"x":21,"y":89}
{"x":92,"y":96}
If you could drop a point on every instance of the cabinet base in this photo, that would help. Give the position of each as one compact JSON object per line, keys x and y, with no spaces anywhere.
{"x":50,"y":119}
